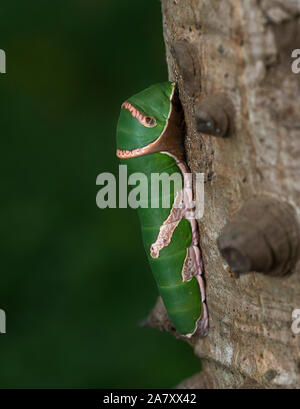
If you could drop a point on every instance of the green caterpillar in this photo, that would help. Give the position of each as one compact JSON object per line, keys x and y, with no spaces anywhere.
{"x":150,"y":140}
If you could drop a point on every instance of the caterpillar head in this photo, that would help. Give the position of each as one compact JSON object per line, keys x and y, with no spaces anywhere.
{"x":145,"y":122}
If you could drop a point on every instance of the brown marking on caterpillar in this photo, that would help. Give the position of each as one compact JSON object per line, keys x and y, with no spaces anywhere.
{"x":169,"y":225}
{"x":183,"y":207}
{"x":189,"y":265}
{"x":133,"y":153}
{"x":192,"y":267}
{"x":146,"y":120}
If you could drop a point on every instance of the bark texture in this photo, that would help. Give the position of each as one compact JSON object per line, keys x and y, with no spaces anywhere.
{"x":240,"y":49}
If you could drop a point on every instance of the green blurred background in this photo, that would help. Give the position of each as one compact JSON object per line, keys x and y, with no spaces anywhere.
{"x":74,"y":279}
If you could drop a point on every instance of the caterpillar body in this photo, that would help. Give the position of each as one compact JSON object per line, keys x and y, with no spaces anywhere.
{"x":150,"y":140}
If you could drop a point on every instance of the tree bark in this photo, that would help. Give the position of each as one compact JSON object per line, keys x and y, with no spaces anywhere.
{"x":240,"y":50}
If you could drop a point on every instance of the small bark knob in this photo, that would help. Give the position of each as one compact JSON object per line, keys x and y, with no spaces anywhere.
{"x":214,"y":116}
{"x":263,"y":237}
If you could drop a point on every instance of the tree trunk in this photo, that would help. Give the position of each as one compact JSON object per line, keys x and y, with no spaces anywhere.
{"x":240,"y":52}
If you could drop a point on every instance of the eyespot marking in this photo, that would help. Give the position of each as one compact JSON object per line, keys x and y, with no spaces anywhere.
{"x":146,"y":120}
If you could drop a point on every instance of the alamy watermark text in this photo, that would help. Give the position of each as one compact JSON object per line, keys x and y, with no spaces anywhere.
{"x":151,"y":192}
